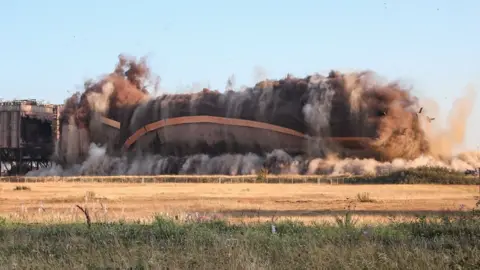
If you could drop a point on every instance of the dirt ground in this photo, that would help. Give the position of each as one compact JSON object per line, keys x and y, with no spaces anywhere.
{"x":56,"y":202}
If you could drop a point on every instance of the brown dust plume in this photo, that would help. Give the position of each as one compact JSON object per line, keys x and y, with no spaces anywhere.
{"x":352,"y":123}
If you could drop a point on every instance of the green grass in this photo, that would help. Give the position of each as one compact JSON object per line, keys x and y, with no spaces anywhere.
{"x":440,"y":243}
{"x":420,"y":175}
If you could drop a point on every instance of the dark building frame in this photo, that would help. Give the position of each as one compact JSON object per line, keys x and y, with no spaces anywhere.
{"x":28,"y":133}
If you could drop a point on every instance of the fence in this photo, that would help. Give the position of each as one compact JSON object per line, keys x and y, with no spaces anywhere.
{"x":292,"y":179}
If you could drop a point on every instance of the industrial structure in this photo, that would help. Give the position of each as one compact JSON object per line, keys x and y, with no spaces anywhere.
{"x":212,"y":134}
{"x":28,"y":132}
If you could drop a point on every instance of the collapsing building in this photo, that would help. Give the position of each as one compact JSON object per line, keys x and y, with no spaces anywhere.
{"x":291,"y":126}
{"x":28,"y":133}
{"x":348,"y":115}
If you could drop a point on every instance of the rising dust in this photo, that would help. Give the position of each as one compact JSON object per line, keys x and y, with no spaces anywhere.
{"x":338,"y":105}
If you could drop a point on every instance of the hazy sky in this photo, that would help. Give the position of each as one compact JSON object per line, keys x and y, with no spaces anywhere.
{"x":50,"y":47}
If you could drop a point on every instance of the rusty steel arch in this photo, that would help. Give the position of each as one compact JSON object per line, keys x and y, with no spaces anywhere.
{"x":210,"y":120}
{"x":227,"y":122}
{"x":110,"y":122}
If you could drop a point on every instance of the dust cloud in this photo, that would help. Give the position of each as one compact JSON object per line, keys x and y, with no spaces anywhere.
{"x":387,"y":127}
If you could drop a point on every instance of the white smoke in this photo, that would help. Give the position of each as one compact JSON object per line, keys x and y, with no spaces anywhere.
{"x":317,"y":112}
{"x":277,"y":162}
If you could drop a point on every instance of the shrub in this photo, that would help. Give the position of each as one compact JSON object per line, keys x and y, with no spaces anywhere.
{"x":364,"y":197}
{"x":420,"y":175}
{"x":19,"y":188}
{"x":262,"y":175}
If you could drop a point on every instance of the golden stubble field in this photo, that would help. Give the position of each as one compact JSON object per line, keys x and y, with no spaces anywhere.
{"x":56,"y":201}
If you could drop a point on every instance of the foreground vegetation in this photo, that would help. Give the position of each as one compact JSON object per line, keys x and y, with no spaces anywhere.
{"x":420,"y":175}
{"x":427,"y":243}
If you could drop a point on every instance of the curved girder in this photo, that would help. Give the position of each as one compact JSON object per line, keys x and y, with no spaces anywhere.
{"x":110,"y":122}
{"x":221,"y":121}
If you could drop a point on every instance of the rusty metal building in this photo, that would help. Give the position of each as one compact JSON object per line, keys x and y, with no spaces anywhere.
{"x":28,"y":133}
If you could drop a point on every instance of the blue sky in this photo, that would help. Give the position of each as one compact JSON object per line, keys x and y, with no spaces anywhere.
{"x":50,"y":47}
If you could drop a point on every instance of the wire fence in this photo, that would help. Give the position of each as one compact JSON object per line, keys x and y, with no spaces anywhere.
{"x":286,"y":179}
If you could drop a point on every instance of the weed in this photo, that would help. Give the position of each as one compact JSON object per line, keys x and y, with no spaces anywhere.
{"x":262,"y":175}
{"x":20,"y":188}
{"x":364,"y":197}
{"x":347,"y":221}
{"x":89,"y":195}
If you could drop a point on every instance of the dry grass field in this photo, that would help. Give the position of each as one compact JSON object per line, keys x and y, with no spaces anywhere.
{"x":383,"y":241}
{"x":56,"y":201}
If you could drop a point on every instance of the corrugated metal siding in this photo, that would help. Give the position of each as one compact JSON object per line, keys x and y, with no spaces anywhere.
{"x":14,"y":116}
{"x":3,"y":129}
{"x":9,"y":117}
{"x":9,"y":124}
